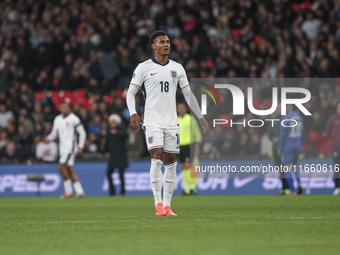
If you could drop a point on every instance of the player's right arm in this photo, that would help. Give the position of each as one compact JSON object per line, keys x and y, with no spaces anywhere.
{"x":135,"y":85}
{"x":53,"y":135}
{"x":135,"y":120}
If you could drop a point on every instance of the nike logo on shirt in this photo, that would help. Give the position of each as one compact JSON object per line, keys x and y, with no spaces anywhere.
{"x":152,"y":74}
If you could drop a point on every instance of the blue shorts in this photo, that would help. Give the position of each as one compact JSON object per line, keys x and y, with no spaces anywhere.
{"x":290,"y":157}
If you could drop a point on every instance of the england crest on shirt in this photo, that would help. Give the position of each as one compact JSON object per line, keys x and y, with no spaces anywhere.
{"x":173,"y":74}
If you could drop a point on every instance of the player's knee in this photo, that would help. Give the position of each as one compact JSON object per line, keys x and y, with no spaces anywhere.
{"x":156,"y":156}
{"x":69,"y":170}
{"x":62,"y":167}
{"x":170,"y":158}
{"x":156,"y":153}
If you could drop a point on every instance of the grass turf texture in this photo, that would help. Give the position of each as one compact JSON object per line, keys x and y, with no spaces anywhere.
{"x":205,"y":225}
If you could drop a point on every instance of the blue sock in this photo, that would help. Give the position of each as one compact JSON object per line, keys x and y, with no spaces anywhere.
{"x":290,"y":181}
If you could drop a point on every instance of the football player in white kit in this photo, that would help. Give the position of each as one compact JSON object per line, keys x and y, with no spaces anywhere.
{"x":66,"y":125}
{"x":159,"y":77}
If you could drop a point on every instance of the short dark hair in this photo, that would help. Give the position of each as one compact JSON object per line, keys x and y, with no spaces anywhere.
{"x":65,"y":102}
{"x":155,"y":34}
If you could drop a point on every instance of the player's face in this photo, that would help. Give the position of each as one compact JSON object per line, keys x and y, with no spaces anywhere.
{"x":65,"y":109}
{"x":161,"y":45}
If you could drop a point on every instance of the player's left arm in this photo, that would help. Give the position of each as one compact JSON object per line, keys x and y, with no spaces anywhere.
{"x":82,"y":136}
{"x":196,"y":135}
{"x":191,"y":99}
{"x":193,"y":104}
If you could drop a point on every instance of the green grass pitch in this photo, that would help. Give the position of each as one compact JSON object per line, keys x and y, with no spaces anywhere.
{"x":205,"y":225}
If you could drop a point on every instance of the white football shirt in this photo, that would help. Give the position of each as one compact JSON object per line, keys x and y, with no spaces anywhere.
{"x":66,"y":128}
{"x":159,"y":84}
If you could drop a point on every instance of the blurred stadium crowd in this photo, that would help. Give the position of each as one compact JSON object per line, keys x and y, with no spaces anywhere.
{"x":86,"y":51}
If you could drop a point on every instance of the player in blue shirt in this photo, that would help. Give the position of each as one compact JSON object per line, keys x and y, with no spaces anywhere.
{"x":290,"y":144}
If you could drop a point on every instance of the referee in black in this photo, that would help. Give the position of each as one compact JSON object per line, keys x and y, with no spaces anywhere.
{"x":116,"y":146}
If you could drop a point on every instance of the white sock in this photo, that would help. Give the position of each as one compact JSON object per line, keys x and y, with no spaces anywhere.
{"x":68,"y":186}
{"x":169,"y":183}
{"x":78,"y":188}
{"x":156,"y":179}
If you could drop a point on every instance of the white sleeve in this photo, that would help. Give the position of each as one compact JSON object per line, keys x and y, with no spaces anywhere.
{"x":131,"y":99}
{"x":192,"y":101}
{"x":53,"y":135}
{"x":135,"y":85}
{"x":187,"y":93}
{"x":182,"y":78}
{"x":81,"y":131}
{"x":137,"y":77}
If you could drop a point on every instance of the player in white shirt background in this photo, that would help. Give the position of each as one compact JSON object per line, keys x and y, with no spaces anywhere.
{"x":159,"y":77}
{"x":66,"y":125}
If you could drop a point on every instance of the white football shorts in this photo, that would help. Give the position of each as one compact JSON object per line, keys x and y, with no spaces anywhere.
{"x":157,"y":137}
{"x":67,"y":158}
